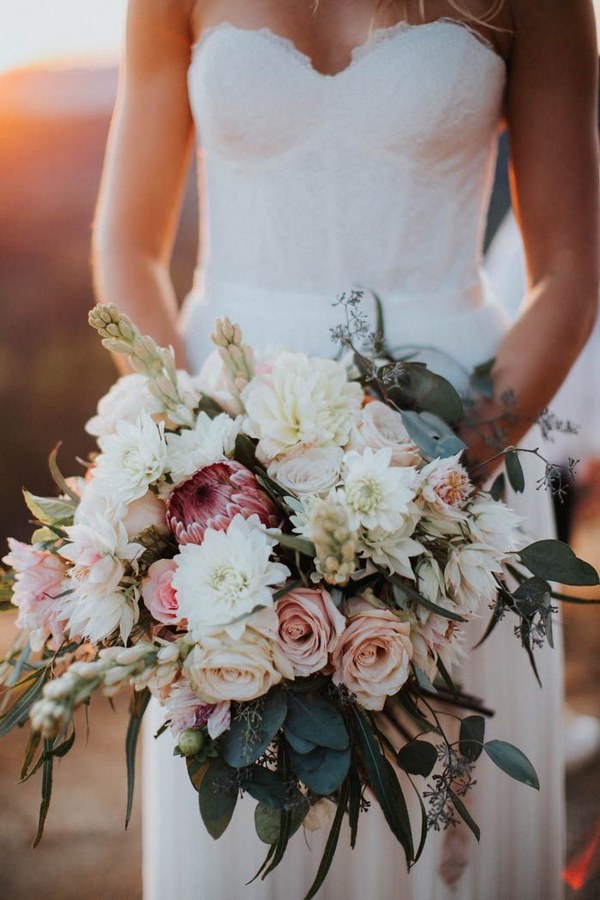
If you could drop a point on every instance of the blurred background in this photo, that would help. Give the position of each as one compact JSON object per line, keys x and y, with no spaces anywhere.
{"x":58,"y":79}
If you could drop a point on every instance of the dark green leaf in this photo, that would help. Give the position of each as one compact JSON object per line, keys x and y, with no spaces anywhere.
{"x":555,"y":561}
{"x":423,"y":681}
{"x":196,"y":770}
{"x":19,"y":711}
{"x":32,"y":745}
{"x":446,"y":677}
{"x":354,"y":796}
{"x":432,"y":435}
{"x":472,"y":732}
{"x":512,"y":761}
{"x":494,"y":619}
{"x":299,"y":744}
{"x":266,"y":785}
{"x":498,"y":488}
{"x":514,"y":470}
{"x":464,"y":813}
{"x":415,"y":387}
{"x":217,"y":797}
{"x":415,"y":714}
{"x":46,"y":790}
{"x":267,"y":821}
{"x":245,"y":451}
{"x":332,"y":842}
{"x":384,"y":783}
{"x":422,"y":601}
{"x":63,"y":748}
{"x":313,"y":718}
{"x":323,"y":770}
{"x":245,"y":742}
{"x":417,"y":758}
{"x":139,"y":705}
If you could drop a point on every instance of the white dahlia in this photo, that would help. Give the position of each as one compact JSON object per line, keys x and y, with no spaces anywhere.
{"x":301,"y":400}
{"x":132,"y":458}
{"x":209,"y":441}
{"x":230,"y":574}
{"x":377,"y":494}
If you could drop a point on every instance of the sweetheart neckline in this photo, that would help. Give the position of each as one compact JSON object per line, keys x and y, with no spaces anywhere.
{"x":376,"y":38}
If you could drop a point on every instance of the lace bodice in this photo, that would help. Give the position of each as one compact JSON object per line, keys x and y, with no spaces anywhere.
{"x":375,"y":177}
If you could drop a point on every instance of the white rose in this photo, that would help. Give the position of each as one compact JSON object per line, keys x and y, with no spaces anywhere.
{"x":221,"y":668}
{"x":380,"y":427}
{"x":312,"y":471}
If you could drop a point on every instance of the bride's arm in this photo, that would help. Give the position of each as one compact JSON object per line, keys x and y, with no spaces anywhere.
{"x":551,"y":111}
{"x":145,"y":170}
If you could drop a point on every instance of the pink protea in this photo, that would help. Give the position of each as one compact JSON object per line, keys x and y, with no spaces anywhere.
{"x":212,"y":497}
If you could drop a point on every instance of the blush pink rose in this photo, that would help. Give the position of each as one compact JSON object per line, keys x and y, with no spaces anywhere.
{"x":40,"y":580}
{"x":159,"y":594}
{"x":309,"y":629}
{"x":212,"y":497}
{"x":143,"y":513}
{"x":372,"y":658}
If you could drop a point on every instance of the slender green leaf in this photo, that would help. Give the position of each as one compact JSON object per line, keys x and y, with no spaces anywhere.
{"x":472,"y":733}
{"x":63,"y":748}
{"x":49,"y":510}
{"x":464,"y":813}
{"x":19,"y":711}
{"x":555,"y":561}
{"x":512,"y":761}
{"x":494,"y":619}
{"x":332,"y":842}
{"x":447,"y":678}
{"x":417,"y":758}
{"x":46,"y":790}
{"x":218,"y":796}
{"x":139,"y":705}
{"x":295,"y":542}
{"x":354,"y":797}
{"x":59,"y":478}
{"x":32,"y":745}
{"x":423,"y":601}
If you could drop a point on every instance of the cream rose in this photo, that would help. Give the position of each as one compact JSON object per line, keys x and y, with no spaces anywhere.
{"x":373,"y":655}
{"x":223,"y":668}
{"x":143,"y":513}
{"x":312,"y":471}
{"x":309,"y":629}
{"x":159,"y":594}
{"x":380,"y":427}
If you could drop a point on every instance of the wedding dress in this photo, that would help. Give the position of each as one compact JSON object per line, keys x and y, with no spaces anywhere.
{"x":377,"y":177}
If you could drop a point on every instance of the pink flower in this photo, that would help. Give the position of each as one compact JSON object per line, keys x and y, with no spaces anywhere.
{"x":159,"y":594}
{"x":372,"y":658}
{"x":309,"y":629}
{"x":143,"y":513}
{"x":212,"y":497}
{"x":185,"y":710}
{"x":445,"y":485}
{"x":40,"y":580}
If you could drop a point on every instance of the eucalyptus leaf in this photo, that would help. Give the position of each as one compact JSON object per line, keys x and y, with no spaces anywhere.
{"x":417,"y":758}
{"x":247,"y":739}
{"x":265,"y":785}
{"x":432,"y":435}
{"x":481,"y":378}
{"x":299,"y":744}
{"x":471,"y":736}
{"x":267,"y":821}
{"x":217,"y":797}
{"x":498,"y":488}
{"x":417,"y":387}
{"x":512,"y":761}
{"x":555,"y":561}
{"x":313,"y":718}
{"x":325,"y":777}
{"x":514,"y":470}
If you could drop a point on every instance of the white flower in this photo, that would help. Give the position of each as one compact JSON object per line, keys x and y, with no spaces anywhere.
{"x":132,"y":459}
{"x":376,"y":494}
{"x":98,"y":550}
{"x":227,"y":576}
{"x":308,"y":471}
{"x":209,"y":441}
{"x":392,"y":549}
{"x":469,"y":575}
{"x":301,"y":400}
{"x":445,"y":486}
{"x":95,"y":613}
{"x":430,"y":584}
{"x":378,"y":426}
{"x":213,"y":380}
{"x":494,"y":523}
{"x":433,"y":639}
{"x":126,"y":399}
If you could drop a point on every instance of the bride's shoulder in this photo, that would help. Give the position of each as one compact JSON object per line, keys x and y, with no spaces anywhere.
{"x":163,"y":11}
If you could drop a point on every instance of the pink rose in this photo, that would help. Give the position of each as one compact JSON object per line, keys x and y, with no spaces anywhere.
{"x":380,"y":428}
{"x":40,"y":581}
{"x":159,"y":594}
{"x":143,"y":513}
{"x":212,"y":497}
{"x":309,"y":629}
{"x":372,"y":658}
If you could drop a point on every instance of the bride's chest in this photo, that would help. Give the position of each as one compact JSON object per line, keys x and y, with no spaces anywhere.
{"x":425,"y":91}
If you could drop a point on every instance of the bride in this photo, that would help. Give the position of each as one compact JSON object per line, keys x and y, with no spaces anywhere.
{"x":350,"y":144}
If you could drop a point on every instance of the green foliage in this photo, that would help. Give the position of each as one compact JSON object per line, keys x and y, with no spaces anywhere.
{"x":417,"y":758}
{"x":19,"y":711}
{"x":498,"y":488}
{"x":322,"y":770}
{"x":472,"y":733}
{"x":253,"y":728}
{"x":314,"y":719}
{"x":59,"y":478}
{"x":405,"y":587}
{"x":266,"y":785}
{"x":139,"y":705}
{"x":415,"y":387}
{"x":218,"y":796}
{"x":555,"y":561}
{"x":514,"y":470}
{"x":432,"y":435}
{"x":332,"y":842}
{"x":50,"y":510}
{"x":267,"y":820}
{"x":48,"y":765}
{"x":295,"y":542}
{"x":464,"y":813}
{"x":481,"y":379}
{"x":512,"y":761}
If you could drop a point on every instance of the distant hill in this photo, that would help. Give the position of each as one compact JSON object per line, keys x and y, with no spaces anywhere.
{"x":53,"y":128}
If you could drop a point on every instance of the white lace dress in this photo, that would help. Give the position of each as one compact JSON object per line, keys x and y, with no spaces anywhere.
{"x":377,"y":177}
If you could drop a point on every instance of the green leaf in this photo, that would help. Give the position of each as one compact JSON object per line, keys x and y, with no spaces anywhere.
{"x":295,"y":542}
{"x":49,"y":510}
{"x":196,"y":770}
{"x":512,"y":761}
{"x":433,"y":436}
{"x":498,"y":488}
{"x":416,"y":387}
{"x":446,"y":677}
{"x":494,"y":619}
{"x":245,"y":451}
{"x":266,"y":785}
{"x":323,"y":770}
{"x":63,"y":748}
{"x":481,"y":378}
{"x":332,"y":842}
{"x":423,"y":601}
{"x":33,"y":743}
{"x":464,"y":813}
{"x":138,"y":708}
{"x":218,"y":796}
{"x":299,"y":744}
{"x":472,"y":732}
{"x":267,"y":821}
{"x":58,"y":476}
{"x":415,"y":714}
{"x":19,"y":711}
{"x":384,"y":783}
{"x":354,"y":797}
{"x":46,"y":790}
{"x":44,"y":536}
{"x":514,"y":470}
{"x":555,"y":561}
{"x":313,"y":718}
{"x":245,"y":742}
{"x":417,"y":758}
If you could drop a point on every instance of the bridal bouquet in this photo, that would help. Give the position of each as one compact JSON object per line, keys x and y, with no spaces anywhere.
{"x":284,"y":552}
